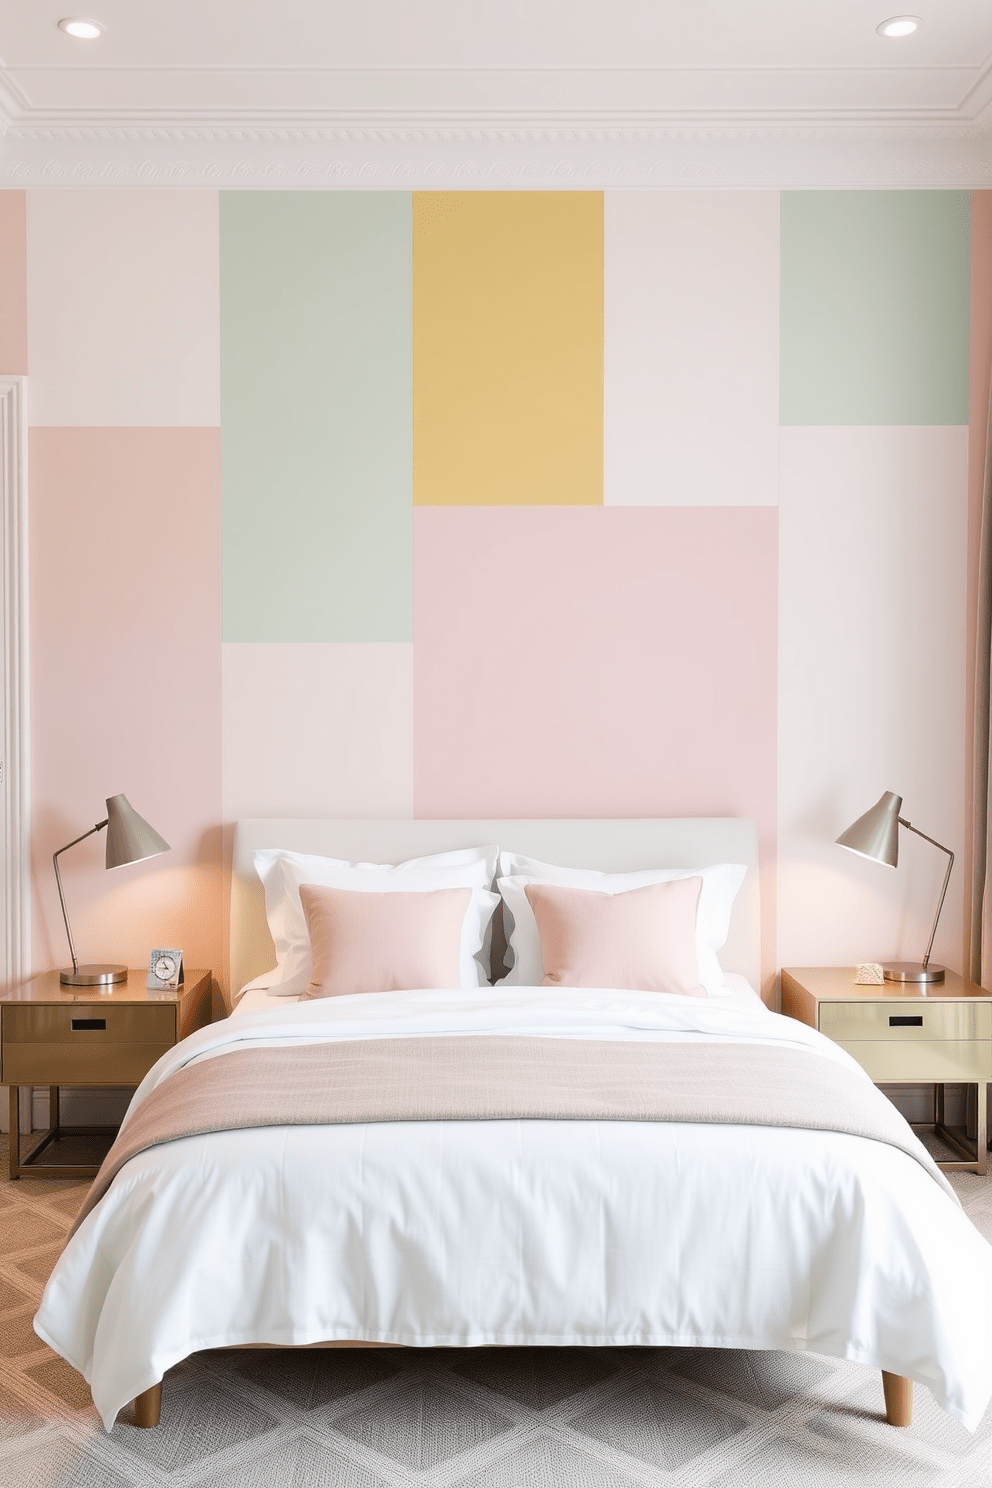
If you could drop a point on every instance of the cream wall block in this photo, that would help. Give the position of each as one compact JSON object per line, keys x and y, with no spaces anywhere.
{"x":317,"y":729}
{"x":691,"y":287}
{"x":123,"y":308}
{"x":871,"y":686}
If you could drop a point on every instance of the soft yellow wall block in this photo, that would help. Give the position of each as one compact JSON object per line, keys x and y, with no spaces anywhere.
{"x":508,"y":348}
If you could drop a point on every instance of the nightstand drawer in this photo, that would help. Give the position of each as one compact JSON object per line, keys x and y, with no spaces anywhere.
{"x":84,"y":1043}
{"x":947,"y":1061}
{"x":916,"y":1021}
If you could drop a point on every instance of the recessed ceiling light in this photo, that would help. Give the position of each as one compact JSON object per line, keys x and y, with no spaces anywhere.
{"x":80,"y":29}
{"x":899,"y":26}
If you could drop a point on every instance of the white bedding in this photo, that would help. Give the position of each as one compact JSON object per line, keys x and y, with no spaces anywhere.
{"x":737,"y":992}
{"x":511,"y":1232}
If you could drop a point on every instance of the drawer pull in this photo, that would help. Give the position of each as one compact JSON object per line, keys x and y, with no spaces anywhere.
{"x":85,"y":1023}
{"x":916,"y":1021}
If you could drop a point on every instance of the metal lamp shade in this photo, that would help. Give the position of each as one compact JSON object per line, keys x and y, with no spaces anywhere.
{"x":876,"y":834}
{"x":129,"y":837}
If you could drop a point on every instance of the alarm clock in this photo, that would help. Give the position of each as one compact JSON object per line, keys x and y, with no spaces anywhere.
{"x":165,"y":969}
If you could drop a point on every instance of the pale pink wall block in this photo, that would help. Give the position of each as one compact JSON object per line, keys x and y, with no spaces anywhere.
{"x":13,"y":285}
{"x":691,"y":301}
{"x":124,"y":307}
{"x":125,"y":686}
{"x":318,"y":729}
{"x":598,"y":662}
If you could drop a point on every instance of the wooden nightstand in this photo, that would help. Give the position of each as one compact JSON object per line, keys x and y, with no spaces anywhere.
{"x":904,"y":1037}
{"x":54,"y":1035}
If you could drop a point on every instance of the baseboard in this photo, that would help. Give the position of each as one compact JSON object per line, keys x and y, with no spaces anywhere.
{"x":26,"y":1122}
{"x":915,"y":1102}
{"x":81,"y":1107}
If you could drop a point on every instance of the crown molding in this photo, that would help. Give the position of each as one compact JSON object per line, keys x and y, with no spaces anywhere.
{"x":500,"y":155}
{"x":314,"y":94}
{"x":404,"y":128}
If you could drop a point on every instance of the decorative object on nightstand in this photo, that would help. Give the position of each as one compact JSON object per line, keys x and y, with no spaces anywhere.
{"x":905,"y":1035}
{"x":51,"y":1034}
{"x":165,"y":969}
{"x":876,"y":835}
{"x":129,"y":840}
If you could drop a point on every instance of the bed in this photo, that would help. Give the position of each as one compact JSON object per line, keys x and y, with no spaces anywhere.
{"x":469,"y":1225}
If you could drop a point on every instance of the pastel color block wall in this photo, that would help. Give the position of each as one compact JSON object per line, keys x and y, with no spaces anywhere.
{"x":124,"y":537}
{"x":499,"y":504}
{"x":316,"y":394}
{"x":508,"y":348}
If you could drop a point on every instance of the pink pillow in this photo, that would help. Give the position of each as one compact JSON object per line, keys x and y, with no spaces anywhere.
{"x":383,"y":942}
{"x":643,"y":939}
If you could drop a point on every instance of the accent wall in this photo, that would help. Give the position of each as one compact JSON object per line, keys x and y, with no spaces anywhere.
{"x":497,"y":503}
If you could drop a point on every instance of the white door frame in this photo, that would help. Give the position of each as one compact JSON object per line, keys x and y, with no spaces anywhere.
{"x":16,"y":758}
{"x":16,"y":755}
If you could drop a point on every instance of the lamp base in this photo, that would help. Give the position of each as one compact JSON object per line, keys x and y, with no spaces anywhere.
{"x":912,"y":971}
{"x":93,"y":976}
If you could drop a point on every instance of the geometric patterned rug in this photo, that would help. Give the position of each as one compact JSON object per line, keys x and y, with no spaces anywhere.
{"x":506,"y":1418}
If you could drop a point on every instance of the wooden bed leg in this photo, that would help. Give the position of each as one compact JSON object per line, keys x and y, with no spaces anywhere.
{"x":148,"y":1406}
{"x":898,"y":1399}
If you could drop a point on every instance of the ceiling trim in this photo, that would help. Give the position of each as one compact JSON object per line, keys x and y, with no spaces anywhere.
{"x":486,"y":127}
{"x":234,"y":97}
{"x":425,"y":108}
{"x":455,"y":124}
{"x":479,"y":157}
{"x":518,"y":69}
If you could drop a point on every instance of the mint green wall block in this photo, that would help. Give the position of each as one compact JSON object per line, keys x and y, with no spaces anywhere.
{"x":316,"y":425}
{"x":875,"y":307}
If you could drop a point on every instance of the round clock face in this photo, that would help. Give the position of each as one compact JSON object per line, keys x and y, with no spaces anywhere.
{"x":165,"y":968}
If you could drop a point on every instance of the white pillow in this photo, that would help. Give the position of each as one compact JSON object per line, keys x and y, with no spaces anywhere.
{"x":283,"y":872}
{"x":716,"y":898}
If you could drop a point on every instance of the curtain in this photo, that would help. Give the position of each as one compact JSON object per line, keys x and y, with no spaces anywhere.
{"x":980,"y":969}
{"x":979,"y":965}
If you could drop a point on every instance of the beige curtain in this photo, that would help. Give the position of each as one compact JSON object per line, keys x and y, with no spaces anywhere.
{"x":980,"y":968}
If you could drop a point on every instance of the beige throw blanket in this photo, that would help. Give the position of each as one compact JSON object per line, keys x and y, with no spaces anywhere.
{"x":503,"y":1078}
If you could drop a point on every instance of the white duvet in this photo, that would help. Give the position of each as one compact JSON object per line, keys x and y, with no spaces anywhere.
{"x":516,"y":1232}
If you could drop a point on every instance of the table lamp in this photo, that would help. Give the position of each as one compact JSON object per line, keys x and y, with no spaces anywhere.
{"x":876,"y":835}
{"x":129,"y":840}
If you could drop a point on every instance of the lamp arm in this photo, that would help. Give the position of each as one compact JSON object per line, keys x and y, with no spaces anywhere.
{"x":58,"y":879}
{"x":947,"y":878}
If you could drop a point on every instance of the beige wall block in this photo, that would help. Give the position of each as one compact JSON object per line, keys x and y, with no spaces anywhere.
{"x":873,"y":531}
{"x":123,"y":308}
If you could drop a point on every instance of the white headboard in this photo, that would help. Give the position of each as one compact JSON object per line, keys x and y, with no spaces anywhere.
{"x":615,"y":846}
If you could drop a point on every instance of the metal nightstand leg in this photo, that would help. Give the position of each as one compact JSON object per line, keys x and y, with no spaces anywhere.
{"x":21,"y":1167}
{"x":973,"y":1161}
{"x":983,"y":1136}
{"x":14,"y":1146}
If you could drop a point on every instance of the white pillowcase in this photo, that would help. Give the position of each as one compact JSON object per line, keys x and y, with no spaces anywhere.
{"x":716,"y":898}
{"x":283,"y":872}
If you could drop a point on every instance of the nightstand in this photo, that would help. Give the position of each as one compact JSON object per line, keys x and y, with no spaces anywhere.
{"x":902,"y":1036}
{"x":55,"y":1035}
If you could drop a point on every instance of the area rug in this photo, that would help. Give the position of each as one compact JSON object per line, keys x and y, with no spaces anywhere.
{"x":509,"y":1418}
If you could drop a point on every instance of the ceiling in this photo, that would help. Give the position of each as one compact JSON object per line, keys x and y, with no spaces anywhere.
{"x":597,"y":90}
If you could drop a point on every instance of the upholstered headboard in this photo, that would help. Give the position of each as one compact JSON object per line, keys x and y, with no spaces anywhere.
{"x":615,"y":846}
